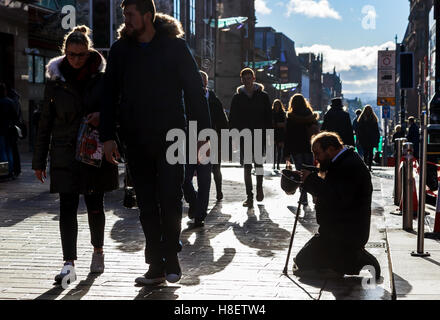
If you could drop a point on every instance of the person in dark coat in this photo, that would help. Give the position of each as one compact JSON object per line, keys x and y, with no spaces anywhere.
{"x":219,"y":121}
{"x":302,"y":124}
{"x":8,"y":116}
{"x":368,"y":133}
{"x":414,"y":135}
{"x":343,"y":211}
{"x":398,"y":133}
{"x":251,"y":109}
{"x":279,"y":125}
{"x":74,"y":91}
{"x":355,"y":130}
{"x":337,"y":120}
{"x":150,"y":71}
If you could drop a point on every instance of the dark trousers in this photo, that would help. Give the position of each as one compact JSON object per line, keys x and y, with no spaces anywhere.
{"x":16,"y":157}
{"x":248,"y":179}
{"x":320,"y":253}
{"x":69,"y":222}
{"x":198,"y":199}
{"x":216,"y":170}
{"x":278,"y":156}
{"x":368,"y":157}
{"x":158,"y":187}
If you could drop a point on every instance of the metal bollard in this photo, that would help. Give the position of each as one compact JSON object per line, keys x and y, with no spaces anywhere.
{"x":422,"y":191}
{"x":398,"y":144}
{"x":407,"y":194}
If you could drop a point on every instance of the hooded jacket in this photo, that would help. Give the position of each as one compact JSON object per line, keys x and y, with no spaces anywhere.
{"x":146,"y":87}
{"x":63,"y":108}
{"x":250,"y":112}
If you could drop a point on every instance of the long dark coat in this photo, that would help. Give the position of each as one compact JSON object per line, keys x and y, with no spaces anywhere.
{"x":337,"y":120}
{"x":343,"y":205}
{"x":63,"y":108}
{"x":153,"y":89}
{"x":299,"y":131}
{"x":368,"y":134}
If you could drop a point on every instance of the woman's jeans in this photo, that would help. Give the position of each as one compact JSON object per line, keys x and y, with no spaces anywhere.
{"x":299,"y":159}
{"x":69,"y":223}
{"x":6,"y":153}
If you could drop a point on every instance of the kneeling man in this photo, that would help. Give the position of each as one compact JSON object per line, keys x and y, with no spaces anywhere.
{"x":343,"y":193}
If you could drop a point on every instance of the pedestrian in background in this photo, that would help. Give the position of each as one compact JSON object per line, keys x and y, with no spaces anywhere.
{"x":302,"y":124}
{"x":279,"y":125}
{"x":251,"y":109}
{"x":398,"y":133}
{"x":355,"y":129}
{"x":369,"y":135}
{"x":150,"y":70}
{"x":413,"y":135}
{"x":198,"y":200}
{"x":8,"y":116}
{"x":74,"y":91}
{"x":18,"y":130}
{"x":219,"y":121}
{"x":337,"y":120}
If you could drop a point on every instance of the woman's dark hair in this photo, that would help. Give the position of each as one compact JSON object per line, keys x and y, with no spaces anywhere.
{"x":327,"y":139}
{"x":79,"y":35}
{"x":368,"y":114}
{"x":299,"y":105}
{"x":280,"y":104}
{"x":143,"y":6}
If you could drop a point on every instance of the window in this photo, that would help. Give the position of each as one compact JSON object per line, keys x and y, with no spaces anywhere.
{"x":36,"y":68}
{"x":192,"y":17}
{"x":177,"y":9}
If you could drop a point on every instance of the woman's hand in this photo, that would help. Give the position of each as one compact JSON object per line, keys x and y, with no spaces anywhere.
{"x":93,"y":119}
{"x":288,"y":165}
{"x":41,"y":175}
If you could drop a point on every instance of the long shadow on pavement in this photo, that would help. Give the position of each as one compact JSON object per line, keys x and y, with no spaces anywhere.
{"x":198,"y":257}
{"x":76,"y":293}
{"x":261,"y":233}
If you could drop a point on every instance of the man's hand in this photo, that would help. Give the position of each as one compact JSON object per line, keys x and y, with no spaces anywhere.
{"x":304,"y":174}
{"x":93,"y":119}
{"x":111,"y":152}
{"x":288,"y":165}
{"x":41,"y":175}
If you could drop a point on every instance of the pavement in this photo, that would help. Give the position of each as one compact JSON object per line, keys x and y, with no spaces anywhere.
{"x":238,"y":255}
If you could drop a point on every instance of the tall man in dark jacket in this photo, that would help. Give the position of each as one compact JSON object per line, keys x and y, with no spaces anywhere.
{"x":250,"y":109}
{"x":337,"y":120}
{"x":149,"y":69}
{"x":343,"y":210}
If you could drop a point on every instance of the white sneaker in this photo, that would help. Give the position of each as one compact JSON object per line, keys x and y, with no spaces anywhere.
{"x":97,"y":265}
{"x":67,"y":268}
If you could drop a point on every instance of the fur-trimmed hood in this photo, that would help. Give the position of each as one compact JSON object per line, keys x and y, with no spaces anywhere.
{"x":164,"y":24}
{"x":257,"y":87}
{"x":53,"y":71}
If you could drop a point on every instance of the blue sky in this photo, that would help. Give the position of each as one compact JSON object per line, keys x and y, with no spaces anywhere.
{"x":348,"y":32}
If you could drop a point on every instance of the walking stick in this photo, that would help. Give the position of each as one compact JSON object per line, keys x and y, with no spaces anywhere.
{"x":293,"y":232}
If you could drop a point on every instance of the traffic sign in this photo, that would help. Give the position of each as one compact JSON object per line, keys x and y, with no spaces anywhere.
{"x":386,"y":78}
{"x":386,"y":112}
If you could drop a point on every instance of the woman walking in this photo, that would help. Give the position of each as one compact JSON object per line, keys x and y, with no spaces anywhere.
{"x":302,"y":124}
{"x":369,"y":134}
{"x":72,"y":94}
{"x":279,"y":125}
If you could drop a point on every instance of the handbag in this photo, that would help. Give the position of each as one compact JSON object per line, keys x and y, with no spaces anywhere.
{"x":89,"y":148}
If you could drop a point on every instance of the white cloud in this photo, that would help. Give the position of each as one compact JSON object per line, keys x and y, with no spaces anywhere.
{"x":261,"y":7}
{"x":358,"y":67}
{"x":312,"y":9}
{"x":345,"y":60}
